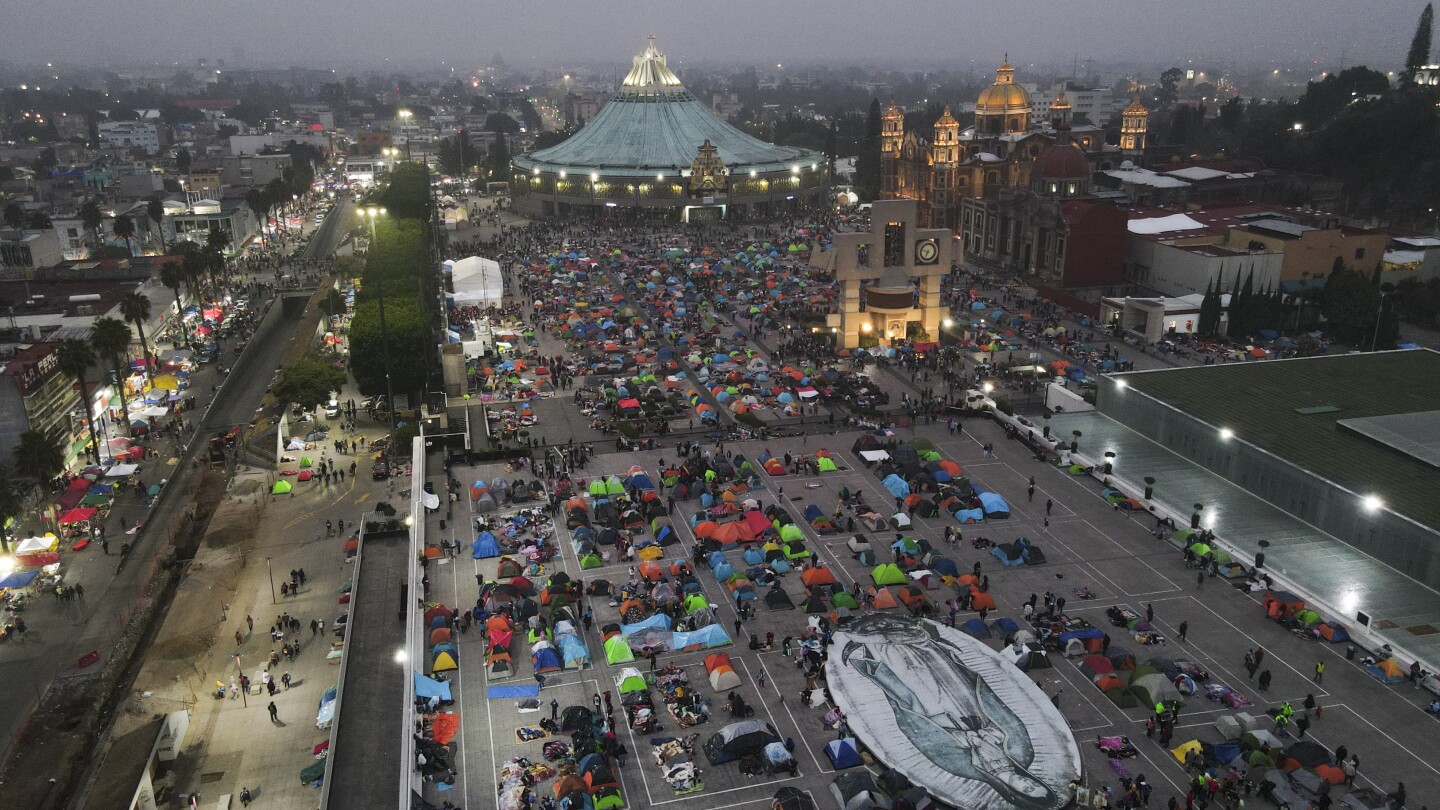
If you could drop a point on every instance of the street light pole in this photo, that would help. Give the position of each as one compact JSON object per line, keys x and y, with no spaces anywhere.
{"x":270,"y":570}
{"x":1379,"y":315}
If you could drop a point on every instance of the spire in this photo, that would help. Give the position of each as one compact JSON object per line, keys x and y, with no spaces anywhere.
{"x":649,"y":74}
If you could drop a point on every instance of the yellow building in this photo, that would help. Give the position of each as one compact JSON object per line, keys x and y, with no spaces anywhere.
{"x":942,"y":168}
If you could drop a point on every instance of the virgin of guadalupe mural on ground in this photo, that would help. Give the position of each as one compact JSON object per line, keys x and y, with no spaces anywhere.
{"x":952,"y":715}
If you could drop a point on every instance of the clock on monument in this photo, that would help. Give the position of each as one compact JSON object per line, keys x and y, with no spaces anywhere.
{"x":927,"y":251}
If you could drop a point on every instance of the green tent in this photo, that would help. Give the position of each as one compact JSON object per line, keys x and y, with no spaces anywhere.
{"x":826,"y":464}
{"x":1183,"y":535}
{"x":312,"y":773}
{"x":630,"y":680}
{"x":930,"y":455}
{"x":613,"y":486}
{"x":921,"y":444}
{"x":306,"y":462}
{"x":617,"y":651}
{"x":845,"y":600}
{"x":1200,"y":549}
{"x":695,"y":602}
{"x":597,"y":487}
{"x":888,"y":574}
{"x":1220,"y":557}
{"x":1307,"y":618}
{"x":591,"y":560}
{"x":281,"y":487}
{"x":798,"y":552}
{"x":791,"y":532}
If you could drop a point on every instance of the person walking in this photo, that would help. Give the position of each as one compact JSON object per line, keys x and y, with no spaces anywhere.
{"x":1184,"y":628}
{"x":274,"y":712}
{"x":1319,"y":671}
{"x":1264,"y":680}
{"x":554,"y":709}
{"x":1049,"y":504}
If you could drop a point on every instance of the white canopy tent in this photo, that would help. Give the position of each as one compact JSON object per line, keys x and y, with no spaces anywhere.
{"x":477,"y":281}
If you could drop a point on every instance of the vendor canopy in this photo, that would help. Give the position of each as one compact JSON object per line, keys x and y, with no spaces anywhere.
{"x":477,"y":281}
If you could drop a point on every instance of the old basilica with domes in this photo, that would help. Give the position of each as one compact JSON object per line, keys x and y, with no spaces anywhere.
{"x":1017,"y":192}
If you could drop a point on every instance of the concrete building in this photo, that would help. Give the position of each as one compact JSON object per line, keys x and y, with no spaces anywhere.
{"x":207,"y":182}
{"x":1410,"y":256}
{"x":1189,"y":260}
{"x":26,"y":251}
{"x":144,"y":135}
{"x":1345,"y":443}
{"x":1160,"y":318}
{"x":137,"y":760}
{"x":879,"y":301}
{"x":230,"y":215}
{"x":253,"y":170}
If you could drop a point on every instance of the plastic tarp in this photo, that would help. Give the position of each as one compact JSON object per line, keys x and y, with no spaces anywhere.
{"x":485,"y":546}
{"x":430,"y":688}
{"x":658,"y":621}
{"x":895,"y":485}
{"x":712,"y":635}
{"x":739,"y":739}
{"x":994,"y":505}
{"x":890,"y":674}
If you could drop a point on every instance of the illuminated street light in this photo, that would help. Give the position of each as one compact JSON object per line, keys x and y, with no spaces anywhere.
{"x":1227,"y":434}
{"x":1373,"y":503}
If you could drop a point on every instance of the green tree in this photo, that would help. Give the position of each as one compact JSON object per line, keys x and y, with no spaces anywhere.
{"x":1169,"y":90}
{"x":92,"y":218}
{"x":1349,"y":304}
{"x":172,"y":275}
{"x":182,"y":160}
{"x":40,"y":221}
{"x":75,"y":359}
{"x":38,"y":456}
{"x":406,"y":337}
{"x":867,"y":163}
{"x":831,"y":145}
{"x":155,"y":211}
{"x":12,"y":506}
{"x":135,"y":308}
{"x":110,"y":338}
{"x":1419,"y":53}
{"x":333,"y":303}
{"x":501,"y":123}
{"x":14,"y":216}
{"x":545,"y":140}
{"x":407,"y":195}
{"x":124,"y":228}
{"x":309,"y":381}
{"x":497,"y":160}
{"x":1210,"y":310}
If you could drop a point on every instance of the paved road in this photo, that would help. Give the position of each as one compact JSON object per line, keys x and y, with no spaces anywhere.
{"x":60,"y":632}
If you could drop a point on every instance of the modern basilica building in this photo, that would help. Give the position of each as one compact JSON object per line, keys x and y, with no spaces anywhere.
{"x":656,"y":146}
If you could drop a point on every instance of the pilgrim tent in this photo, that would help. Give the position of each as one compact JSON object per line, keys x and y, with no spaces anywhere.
{"x":722,"y":675}
{"x":739,"y":739}
{"x":842,"y":753}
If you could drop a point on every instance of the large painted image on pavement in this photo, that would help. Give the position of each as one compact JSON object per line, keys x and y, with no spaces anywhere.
{"x":951,"y":715}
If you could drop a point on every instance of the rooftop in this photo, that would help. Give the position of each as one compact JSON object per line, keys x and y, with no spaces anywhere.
{"x":1262,"y":403}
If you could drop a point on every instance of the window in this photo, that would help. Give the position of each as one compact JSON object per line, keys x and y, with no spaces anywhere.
{"x":894,"y":244}
{"x":1359,"y":253}
{"x":1070,"y":190}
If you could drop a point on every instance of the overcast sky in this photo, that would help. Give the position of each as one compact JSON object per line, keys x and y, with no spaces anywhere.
{"x":557,"y":33}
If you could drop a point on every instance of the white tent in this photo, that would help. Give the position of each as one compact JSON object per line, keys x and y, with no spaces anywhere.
{"x":477,"y":281}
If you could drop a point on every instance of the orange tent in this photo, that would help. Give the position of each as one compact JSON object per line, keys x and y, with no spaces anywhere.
{"x":817,"y":576}
{"x":979,"y":600}
{"x":444,"y":726}
{"x":706,"y":529}
{"x":951,"y":467}
{"x":1330,"y":773}
{"x":882,"y":599}
{"x":439,"y":634}
{"x":433,"y":553}
{"x":651,"y":571}
{"x":498,"y":623}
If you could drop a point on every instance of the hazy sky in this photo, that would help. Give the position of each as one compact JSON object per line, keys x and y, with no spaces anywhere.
{"x":555,"y":33}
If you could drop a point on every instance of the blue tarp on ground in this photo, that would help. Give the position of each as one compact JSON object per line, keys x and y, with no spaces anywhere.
{"x":896,"y":485}
{"x":659,"y":622}
{"x":431,"y":688}
{"x":503,"y":692}
{"x":842,"y":753}
{"x":485,"y":546}
{"x":711,"y":635}
{"x":968,"y":515}
{"x":976,"y":628}
{"x":1089,"y":632}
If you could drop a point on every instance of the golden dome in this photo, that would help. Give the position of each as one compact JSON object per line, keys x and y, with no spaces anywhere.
{"x":1004,"y":96}
{"x":1060,"y":102}
{"x":1136,"y":108}
{"x":946,"y":119}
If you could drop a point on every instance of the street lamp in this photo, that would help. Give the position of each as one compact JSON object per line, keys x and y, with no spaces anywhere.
{"x":405,"y":116}
{"x":371,"y":212}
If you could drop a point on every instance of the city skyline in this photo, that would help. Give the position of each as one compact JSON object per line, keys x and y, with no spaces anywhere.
{"x":368,"y":33}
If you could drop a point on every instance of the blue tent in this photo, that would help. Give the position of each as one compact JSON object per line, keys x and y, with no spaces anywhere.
{"x":896,"y":485}
{"x":1004,"y":626}
{"x":659,"y":621}
{"x":711,"y":635}
{"x":1089,"y":632}
{"x":666,"y":536}
{"x":941,"y":477}
{"x":546,"y":658}
{"x":18,"y":579}
{"x":811,"y":512}
{"x":715,"y":560}
{"x":573,"y":650}
{"x":640,"y":481}
{"x":842,"y":753}
{"x":485,"y":546}
{"x":753,"y":556}
{"x":723,"y":571}
{"x":945,"y":567}
{"x":994,"y":505}
{"x":431,"y":688}
{"x":964,"y":515}
{"x":976,"y":628}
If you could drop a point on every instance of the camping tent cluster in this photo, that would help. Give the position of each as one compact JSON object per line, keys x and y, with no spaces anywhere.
{"x":915,"y":474}
{"x":1292,"y":775}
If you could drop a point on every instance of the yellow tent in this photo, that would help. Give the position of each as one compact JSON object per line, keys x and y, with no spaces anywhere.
{"x":650,"y":553}
{"x":444,"y":662}
{"x":1184,"y":749}
{"x":165,"y":382}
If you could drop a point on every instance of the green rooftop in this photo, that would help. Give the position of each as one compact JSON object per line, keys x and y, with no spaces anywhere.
{"x":1290,"y":408}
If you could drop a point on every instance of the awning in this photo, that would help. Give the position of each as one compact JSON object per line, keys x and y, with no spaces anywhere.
{"x":77,"y":515}
{"x":122,"y":471}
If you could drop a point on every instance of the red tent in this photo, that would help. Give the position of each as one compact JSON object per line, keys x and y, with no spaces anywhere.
{"x":77,"y":515}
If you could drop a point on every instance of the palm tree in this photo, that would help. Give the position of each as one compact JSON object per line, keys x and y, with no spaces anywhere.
{"x":172,"y":275}
{"x":11,"y":506}
{"x":124,"y":227}
{"x":155,"y":210}
{"x":135,"y":308}
{"x":39,"y":456}
{"x":192,"y":268}
{"x":258,"y":201}
{"x":92,"y":218}
{"x":75,"y":359}
{"x":110,"y":338}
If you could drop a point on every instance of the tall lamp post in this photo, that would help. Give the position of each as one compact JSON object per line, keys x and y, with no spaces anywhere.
{"x":371,"y":213}
{"x":405,"y":116}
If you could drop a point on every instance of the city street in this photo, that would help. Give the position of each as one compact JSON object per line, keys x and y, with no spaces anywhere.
{"x":61,"y":632}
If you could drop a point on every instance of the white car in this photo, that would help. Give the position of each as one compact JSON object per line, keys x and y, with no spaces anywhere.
{"x":332,"y":409}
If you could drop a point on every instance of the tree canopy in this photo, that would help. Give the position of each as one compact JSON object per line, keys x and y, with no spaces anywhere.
{"x":309,"y":381}
{"x":407,"y":338}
